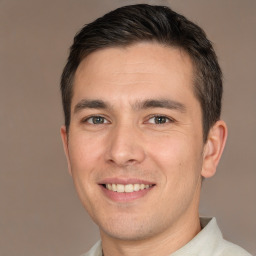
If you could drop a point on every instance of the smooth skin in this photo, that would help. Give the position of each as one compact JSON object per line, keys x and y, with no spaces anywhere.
{"x":116,"y":132}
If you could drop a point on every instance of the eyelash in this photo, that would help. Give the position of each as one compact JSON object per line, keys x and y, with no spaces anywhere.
{"x":165,"y":119}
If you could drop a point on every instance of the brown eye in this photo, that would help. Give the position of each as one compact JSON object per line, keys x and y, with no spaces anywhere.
{"x":159,"y":120}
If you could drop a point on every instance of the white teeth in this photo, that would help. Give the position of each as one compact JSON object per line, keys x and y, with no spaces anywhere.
{"x":114,"y":187}
{"x":128,"y":188}
{"x":120,"y":188}
{"x":136,"y":187}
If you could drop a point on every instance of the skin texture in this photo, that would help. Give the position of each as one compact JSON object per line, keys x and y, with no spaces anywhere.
{"x":127,"y":143}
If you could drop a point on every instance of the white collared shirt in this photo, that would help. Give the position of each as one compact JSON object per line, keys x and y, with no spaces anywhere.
{"x":208,"y":242}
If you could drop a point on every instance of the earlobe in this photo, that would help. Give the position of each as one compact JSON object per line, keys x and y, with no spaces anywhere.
{"x":64,"y":137}
{"x":213,"y":148}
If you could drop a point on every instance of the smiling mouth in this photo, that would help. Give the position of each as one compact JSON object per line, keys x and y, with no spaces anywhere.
{"x":128,"y":188}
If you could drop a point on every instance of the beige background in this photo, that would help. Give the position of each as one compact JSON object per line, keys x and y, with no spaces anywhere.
{"x":40,"y":213}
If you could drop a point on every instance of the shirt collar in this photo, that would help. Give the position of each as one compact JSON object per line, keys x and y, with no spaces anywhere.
{"x":204,"y":243}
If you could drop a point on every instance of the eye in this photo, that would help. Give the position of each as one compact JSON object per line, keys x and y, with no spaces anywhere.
{"x":159,"y":120}
{"x":96,"y":120}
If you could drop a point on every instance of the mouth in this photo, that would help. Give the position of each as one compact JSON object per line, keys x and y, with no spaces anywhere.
{"x":126,"y":188}
{"x":121,"y":190}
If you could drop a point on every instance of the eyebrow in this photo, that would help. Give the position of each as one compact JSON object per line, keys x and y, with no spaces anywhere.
{"x":161,"y":103}
{"x":84,"y":103}
{"x":138,"y":105}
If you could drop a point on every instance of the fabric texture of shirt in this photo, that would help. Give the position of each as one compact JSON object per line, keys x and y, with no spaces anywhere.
{"x":208,"y":242}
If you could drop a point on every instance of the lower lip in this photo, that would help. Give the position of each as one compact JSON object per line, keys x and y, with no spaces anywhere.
{"x":125,"y":197}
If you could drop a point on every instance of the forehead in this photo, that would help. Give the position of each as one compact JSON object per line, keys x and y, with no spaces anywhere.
{"x":139,"y":69}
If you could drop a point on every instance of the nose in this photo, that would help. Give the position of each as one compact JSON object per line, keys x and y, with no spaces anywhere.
{"x":125,"y":146}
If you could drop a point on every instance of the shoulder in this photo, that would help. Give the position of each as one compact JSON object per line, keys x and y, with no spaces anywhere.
{"x":220,"y":246}
{"x":210,"y":242}
{"x":96,"y":250}
{"x":226,"y":248}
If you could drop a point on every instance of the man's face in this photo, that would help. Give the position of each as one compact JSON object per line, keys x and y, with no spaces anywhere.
{"x":136,"y":123}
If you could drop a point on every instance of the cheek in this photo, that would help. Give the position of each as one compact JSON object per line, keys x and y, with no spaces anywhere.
{"x":176,"y":155}
{"x":84,"y":152}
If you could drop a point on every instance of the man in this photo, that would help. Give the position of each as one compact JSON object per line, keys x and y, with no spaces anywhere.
{"x":142,"y":94}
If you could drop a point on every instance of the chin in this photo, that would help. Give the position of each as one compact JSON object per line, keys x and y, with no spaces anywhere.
{"x":127,"y":235}
{"x":128,"y":229}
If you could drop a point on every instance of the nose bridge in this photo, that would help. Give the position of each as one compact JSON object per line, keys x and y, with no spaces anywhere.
{"x":125,"y":144}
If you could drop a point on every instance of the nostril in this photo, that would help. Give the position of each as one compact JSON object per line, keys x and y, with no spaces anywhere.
{"x":131,"y":161}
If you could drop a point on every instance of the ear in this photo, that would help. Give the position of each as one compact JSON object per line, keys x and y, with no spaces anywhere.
{"x":213,"y":148}
{"x":64,"y":137}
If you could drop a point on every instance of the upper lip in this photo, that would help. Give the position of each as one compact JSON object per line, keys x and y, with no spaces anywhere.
{"x":125,"y":181}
